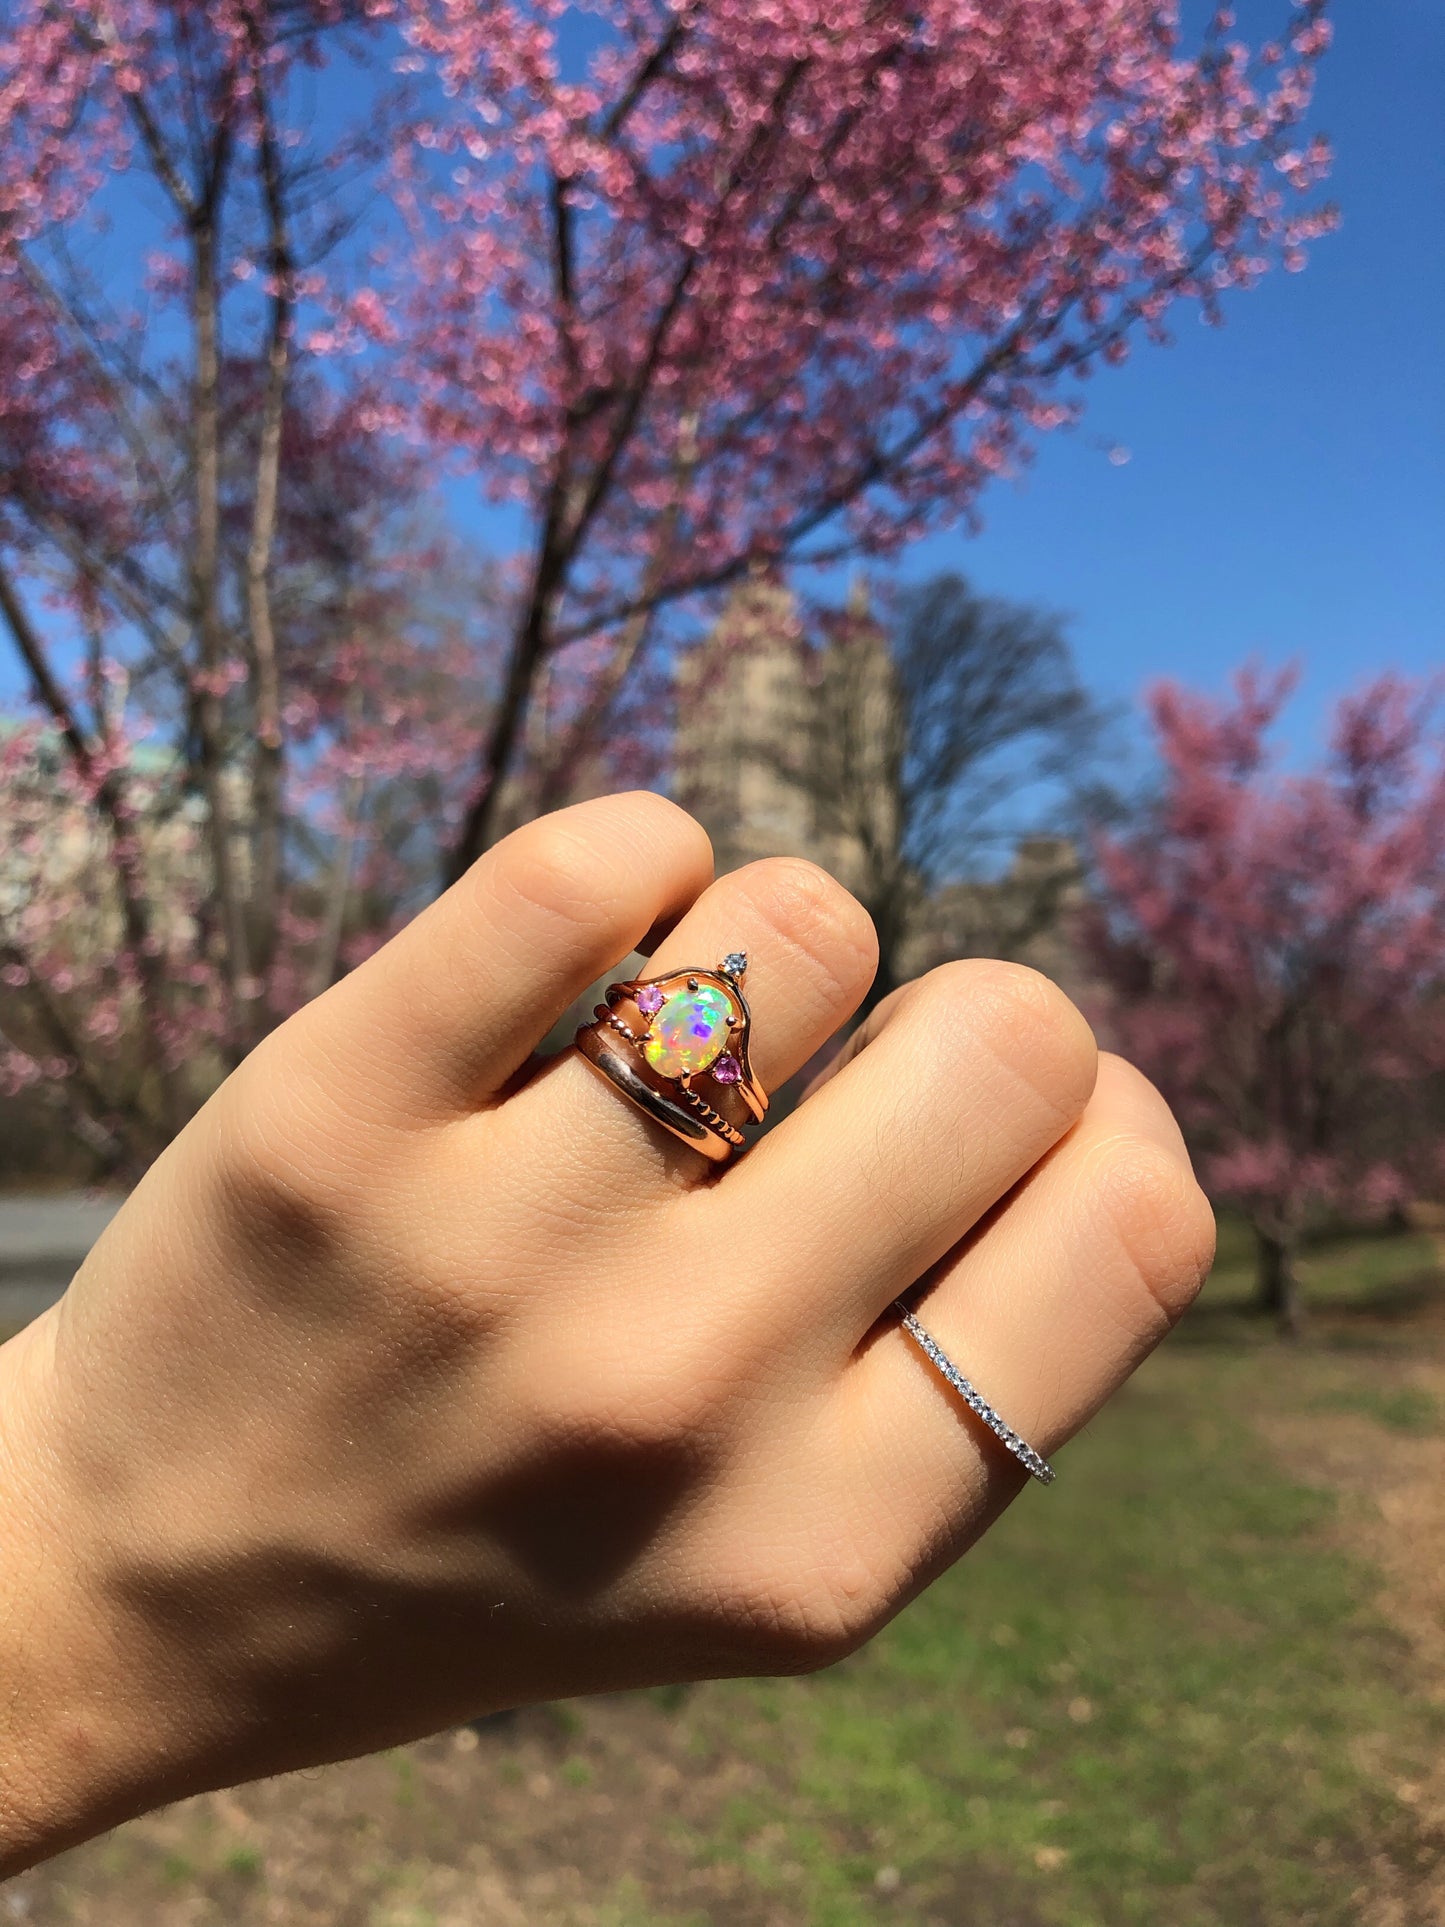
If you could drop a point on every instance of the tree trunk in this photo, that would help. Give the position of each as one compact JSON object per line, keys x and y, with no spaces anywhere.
{"x":206,"y":457}
{"x":505,"y":733}
{"x":1277,"y":1278}
{"x":269,"y":779}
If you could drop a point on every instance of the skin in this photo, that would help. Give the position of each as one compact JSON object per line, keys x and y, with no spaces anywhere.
{"x":415,"y":1381}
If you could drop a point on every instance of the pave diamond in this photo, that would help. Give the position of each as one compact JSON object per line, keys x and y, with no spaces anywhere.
{"x":973,"y":1398}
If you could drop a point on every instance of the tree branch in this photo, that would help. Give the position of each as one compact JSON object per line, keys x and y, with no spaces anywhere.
{"x":206,"y":457}
{"x":651,"y":67}
{"x":563,"y":538}
{"x":47,"y":688}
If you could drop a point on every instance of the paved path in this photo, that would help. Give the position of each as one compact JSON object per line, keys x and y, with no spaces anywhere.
{"x":42,"y":1243}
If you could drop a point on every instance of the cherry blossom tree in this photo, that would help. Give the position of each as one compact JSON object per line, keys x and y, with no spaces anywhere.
{"x":1275,"y":942}
{"x":786,"y":282}
{"x":699,"y":286}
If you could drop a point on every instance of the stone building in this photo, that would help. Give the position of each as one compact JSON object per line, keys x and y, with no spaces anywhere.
{"x":1030,"y":914}
{"x":764,"y":722}
{"x":783,"y":748}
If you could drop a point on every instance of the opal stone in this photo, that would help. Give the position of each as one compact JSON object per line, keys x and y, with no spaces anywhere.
{"x":689,"y":1031}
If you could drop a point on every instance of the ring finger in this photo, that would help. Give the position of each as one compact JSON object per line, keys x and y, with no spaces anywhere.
{"x":1047,"y":1311}
{"x":978,"y":1070}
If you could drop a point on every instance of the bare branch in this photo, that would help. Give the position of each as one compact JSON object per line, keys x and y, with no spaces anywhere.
{"x":269,"y":741}
{"x":655,"y":63}
{"x":33,"y":654}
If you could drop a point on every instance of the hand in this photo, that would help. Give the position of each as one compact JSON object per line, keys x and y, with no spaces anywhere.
{"x":414,"y":1381}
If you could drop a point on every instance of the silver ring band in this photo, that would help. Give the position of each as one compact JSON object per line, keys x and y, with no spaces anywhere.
{"x":973,"y":1398}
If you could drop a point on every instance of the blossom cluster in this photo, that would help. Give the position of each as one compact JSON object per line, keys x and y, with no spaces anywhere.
{"x":1277,"y":943}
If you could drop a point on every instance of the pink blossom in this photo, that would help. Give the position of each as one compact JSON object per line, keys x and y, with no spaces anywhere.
{"x":1276,"y":945}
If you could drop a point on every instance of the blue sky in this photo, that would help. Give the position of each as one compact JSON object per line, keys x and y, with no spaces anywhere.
{"x":1285,"y":493}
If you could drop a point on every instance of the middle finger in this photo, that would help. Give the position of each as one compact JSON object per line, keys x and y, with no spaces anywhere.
{"x":979,"y":1070}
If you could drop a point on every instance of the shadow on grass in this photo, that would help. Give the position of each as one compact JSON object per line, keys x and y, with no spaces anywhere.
{"x":1373,"y":1318}
{"x":1363,"y":1291}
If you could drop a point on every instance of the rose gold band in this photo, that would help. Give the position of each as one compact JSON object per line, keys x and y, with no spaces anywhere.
{"x":677,"y":1046}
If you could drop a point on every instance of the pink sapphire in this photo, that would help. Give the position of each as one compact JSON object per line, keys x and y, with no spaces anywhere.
{"x":727,"y":1069}
{"x":649,"y":1001}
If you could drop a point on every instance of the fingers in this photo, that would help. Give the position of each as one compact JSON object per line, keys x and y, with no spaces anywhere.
{"x":1046,"y":1311}
{"x":450,"y":1008}
{"x":811,"y":956}
{"x":977,"y":1071}
{"x":859,"y":1039}
{"x":811,"y":953}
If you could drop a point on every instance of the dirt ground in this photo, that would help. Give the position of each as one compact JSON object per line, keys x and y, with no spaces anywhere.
{"x":1393,"y":1487}
{"x":506,"y":1826}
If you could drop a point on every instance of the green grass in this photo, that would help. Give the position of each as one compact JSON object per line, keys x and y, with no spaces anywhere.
{"x":1149,"y":1696}
{"x":244,"y":1862}
{"x":1352,"y":1270}
{"x":628,"y":1906}
{"x":1399,"y":1408}
{"x":405,"y":1769}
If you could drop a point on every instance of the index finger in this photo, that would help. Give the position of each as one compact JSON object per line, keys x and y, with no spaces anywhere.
{"x":451,"y":1008}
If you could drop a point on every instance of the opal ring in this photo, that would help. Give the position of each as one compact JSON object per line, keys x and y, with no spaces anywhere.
{"x":1033,"y":1461}
{"x":677,"y":1045}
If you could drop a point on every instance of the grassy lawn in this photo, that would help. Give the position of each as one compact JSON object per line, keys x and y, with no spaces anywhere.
{"x":1141,"y":1704}
{"x":1156,"y":1693}
{"x":1167,"y":1691}
{"x":1374,"y":1273}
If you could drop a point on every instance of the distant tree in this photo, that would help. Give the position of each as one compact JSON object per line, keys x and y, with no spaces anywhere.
{"x":1276,"y":947}
{"x":945,"y":729}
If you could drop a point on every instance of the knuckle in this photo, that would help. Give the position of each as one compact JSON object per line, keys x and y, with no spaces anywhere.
{"x":291,"y":1177}
{"x":811,"y":910}
{"x":662,"y":816}
{"x":1122,"y":1084}
{"x":794,"y":1625}
{"x":1161,"y":1218}
{"x":628,"y":1400}
{"x":549,"y":866}
{"x":1025,"y":1018}
{"x":553,"y":865}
